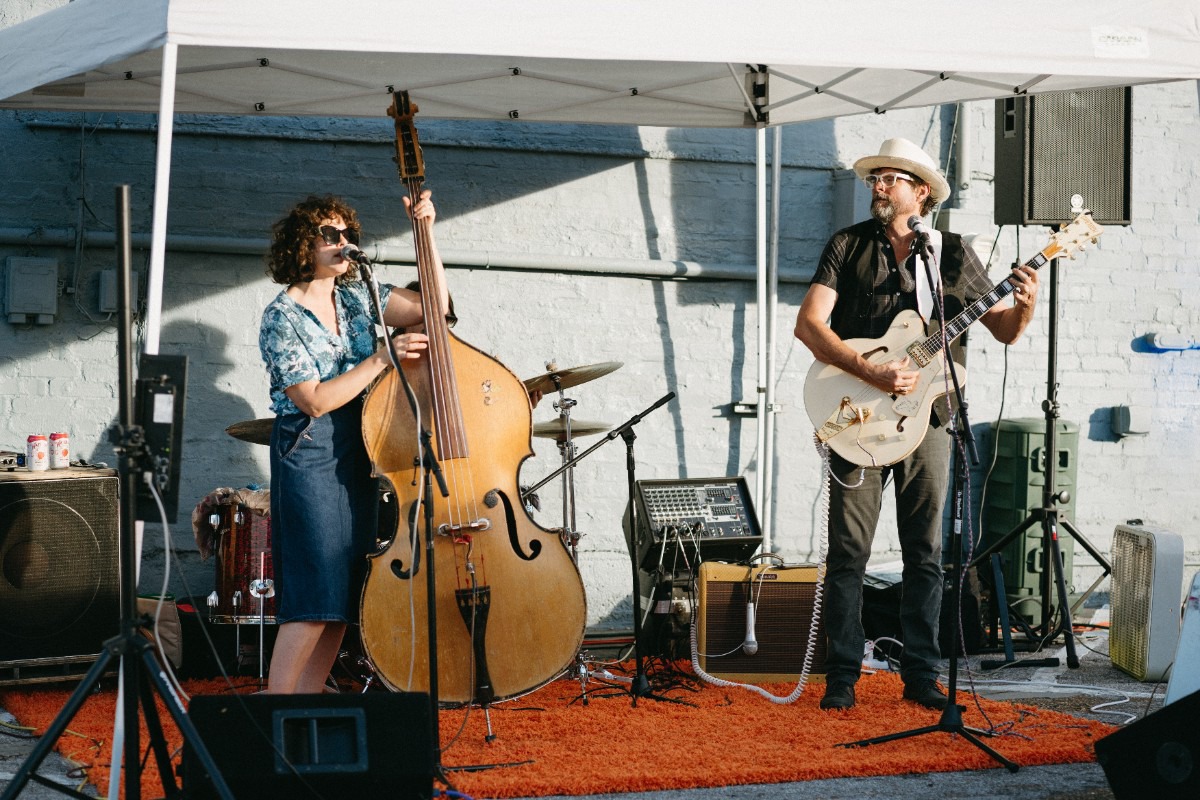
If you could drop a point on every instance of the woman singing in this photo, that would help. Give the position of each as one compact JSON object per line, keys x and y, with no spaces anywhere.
{"x":318,"y":339}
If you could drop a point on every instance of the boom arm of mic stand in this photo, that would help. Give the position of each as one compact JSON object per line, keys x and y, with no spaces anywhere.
{"x":608,"y":437}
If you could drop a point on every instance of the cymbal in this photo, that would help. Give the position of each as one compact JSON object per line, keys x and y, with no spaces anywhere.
{"x":569,"y":377}
{"x":254,"y":431}
{"x":555,"y":429}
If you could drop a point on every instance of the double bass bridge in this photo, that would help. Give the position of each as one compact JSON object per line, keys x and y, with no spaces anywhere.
{"x":459,"y":529}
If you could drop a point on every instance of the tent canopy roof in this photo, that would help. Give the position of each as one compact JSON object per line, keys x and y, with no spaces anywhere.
{"x":671,"y":62}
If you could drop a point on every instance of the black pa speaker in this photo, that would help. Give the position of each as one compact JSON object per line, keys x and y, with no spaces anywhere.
{"x":363,"y":746}
{"x":60,"y":587}
{"x":1052,"y":146}
{"x":1158,"y":756}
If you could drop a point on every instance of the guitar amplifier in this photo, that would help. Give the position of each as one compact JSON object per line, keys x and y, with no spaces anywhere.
{"x":686,"y":520}
{"x":783,"y":622}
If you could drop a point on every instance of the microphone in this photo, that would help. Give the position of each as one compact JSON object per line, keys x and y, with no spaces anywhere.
{"x":918,"y":227}
{"x":352,"y":253}
{"x":750,"y":644}
{"x":914,"y":224}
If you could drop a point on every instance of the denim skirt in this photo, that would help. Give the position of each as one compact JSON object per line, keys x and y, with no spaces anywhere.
{"x":324,"y":504}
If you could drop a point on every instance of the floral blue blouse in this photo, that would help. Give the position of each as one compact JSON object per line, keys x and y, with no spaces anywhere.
{"x":297,"y":348}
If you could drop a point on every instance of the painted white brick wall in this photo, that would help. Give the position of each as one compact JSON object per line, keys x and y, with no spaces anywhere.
{"x":619,"y":192}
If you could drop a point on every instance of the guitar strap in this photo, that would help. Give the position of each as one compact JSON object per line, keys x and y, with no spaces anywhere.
{"x":924,"y":291}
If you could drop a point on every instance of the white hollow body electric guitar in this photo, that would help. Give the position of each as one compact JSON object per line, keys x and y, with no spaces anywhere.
{"x":873,"y":428}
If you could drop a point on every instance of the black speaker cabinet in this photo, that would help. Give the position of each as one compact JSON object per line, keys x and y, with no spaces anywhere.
{"x":1158,"y":756}
{"x":60,"y":587}
{"x":363,"y":746}
{"x":1052,"y":146}
{"x":783,"y":621}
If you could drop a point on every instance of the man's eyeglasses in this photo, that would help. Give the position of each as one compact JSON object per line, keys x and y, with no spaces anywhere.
{"x":888,"y":179}
{"x":332,"y":235}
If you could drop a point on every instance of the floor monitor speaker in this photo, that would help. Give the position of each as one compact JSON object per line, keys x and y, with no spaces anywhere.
{"x":364,"y":746}
{"x":783,"y":621}
{"x":1055,"y":145}
{"x":1158,"y":756}
{"x":60,"y":589}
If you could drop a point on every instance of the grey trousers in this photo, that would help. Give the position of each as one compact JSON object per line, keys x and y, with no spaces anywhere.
{"x":920,"y":483}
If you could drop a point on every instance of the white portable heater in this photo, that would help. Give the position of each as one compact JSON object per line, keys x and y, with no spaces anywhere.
{"x":1146,"y":582}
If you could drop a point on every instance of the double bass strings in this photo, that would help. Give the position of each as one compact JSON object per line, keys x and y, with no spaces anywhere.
{"x":450,"y":431}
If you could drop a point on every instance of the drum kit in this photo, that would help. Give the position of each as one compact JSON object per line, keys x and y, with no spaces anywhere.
{"x":245,"y":586}
{"x":564,"y":429}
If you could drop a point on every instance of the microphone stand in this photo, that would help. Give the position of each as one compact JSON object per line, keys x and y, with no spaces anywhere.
{"x":639,"y":685}
{"x":430,"y":469}
{"x":960,"y":431}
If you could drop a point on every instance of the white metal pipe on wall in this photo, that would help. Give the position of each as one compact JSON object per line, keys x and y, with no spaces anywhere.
{"x":403,"y":254}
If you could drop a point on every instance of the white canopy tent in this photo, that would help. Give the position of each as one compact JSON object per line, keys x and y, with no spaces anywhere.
{"x":673,"y":63}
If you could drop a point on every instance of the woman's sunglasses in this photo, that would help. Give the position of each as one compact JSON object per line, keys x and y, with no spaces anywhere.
{"x":332,"y":235}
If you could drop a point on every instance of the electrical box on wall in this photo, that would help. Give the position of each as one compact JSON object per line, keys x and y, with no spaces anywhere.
{"x":109,"y":302}
{"x":31,"y":290}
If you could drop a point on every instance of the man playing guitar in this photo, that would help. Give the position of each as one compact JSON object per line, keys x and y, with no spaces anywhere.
{"x":867,"y":275}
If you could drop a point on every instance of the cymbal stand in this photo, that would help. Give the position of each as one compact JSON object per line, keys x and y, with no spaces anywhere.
{"x":566,"y":447}
{"x":570,"y":533}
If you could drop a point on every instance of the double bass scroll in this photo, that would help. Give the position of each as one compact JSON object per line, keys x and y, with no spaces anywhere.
{"x":509,"y":608}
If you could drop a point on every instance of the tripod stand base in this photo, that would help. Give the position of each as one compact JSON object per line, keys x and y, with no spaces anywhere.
{"x":951,"y":722}
{"x":141,"y":677}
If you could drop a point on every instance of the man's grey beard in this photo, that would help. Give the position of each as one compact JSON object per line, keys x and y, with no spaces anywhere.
{"x":883,"y":209}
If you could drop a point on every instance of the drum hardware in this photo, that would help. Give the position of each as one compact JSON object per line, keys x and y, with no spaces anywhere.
{"x":563,"y":430}
{"x":243,"y":544}
{"x":262,"y":588}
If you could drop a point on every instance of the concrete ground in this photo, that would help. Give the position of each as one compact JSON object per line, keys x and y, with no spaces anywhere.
{"x":1096,"y":690}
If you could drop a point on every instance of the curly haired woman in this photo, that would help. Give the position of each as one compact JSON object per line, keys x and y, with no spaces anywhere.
{"x":318,"y":340}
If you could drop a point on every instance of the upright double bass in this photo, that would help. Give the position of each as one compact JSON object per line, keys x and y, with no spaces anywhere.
{"x":509,"y":604}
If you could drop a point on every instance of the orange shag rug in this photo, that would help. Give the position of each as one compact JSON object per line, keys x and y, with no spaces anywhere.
{"x":551,"y":743}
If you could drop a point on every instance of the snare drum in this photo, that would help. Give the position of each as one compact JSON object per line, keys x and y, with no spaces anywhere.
{"x":245,"y":586}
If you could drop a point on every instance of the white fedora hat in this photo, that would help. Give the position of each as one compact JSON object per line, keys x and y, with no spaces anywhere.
{"x":903,"y":155}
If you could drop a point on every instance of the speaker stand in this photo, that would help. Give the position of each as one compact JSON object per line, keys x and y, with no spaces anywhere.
{"x":1048,"y":516}
{"x":141,"y":674}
